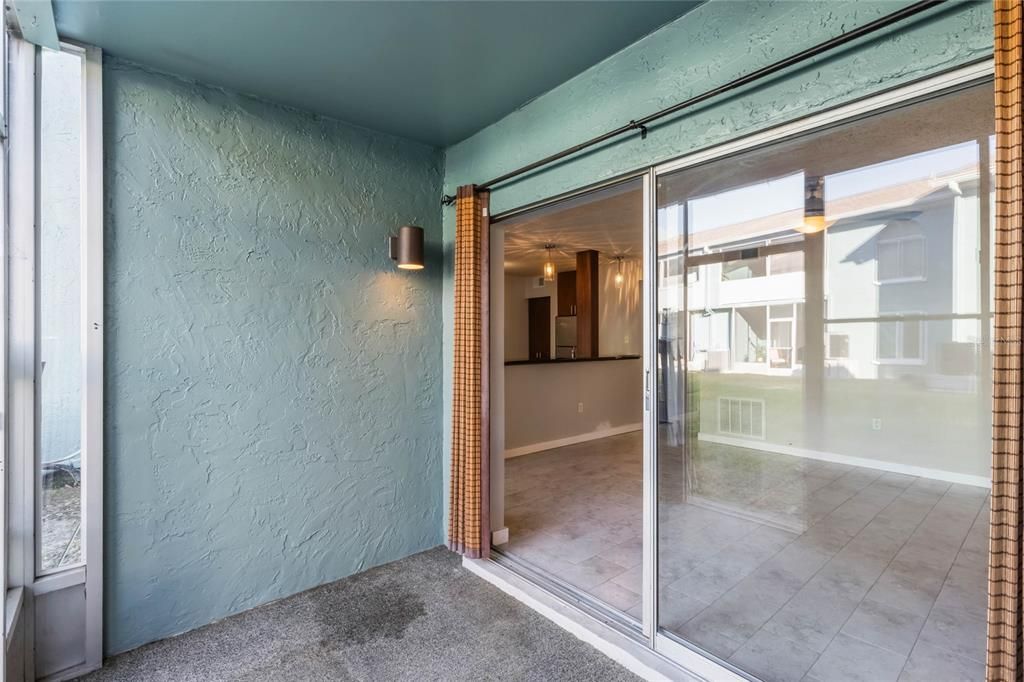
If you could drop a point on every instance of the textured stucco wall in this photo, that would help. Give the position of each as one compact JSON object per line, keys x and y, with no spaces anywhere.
{"x":714,"y":44}
{"x":273,"y":382}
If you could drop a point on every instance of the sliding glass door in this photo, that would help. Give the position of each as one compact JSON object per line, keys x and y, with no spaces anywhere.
{"x":813,"y":385}
{"x":822,"y":417}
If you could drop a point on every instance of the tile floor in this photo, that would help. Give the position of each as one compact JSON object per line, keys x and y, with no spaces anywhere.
{"x":789,"y":568}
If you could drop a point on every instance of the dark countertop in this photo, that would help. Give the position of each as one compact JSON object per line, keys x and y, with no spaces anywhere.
{"x":564,"y":361}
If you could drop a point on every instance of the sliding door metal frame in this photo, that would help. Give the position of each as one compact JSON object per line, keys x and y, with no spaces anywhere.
{"x":570,"y":194}
{"x":23,"y":122}
{"x":649,"y":583}
{"x":570,"y":594}
{"x":11,"y":600}
{"x":662,"y":642}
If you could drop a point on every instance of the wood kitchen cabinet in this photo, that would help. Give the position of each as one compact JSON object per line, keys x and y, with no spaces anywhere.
{"x":587,"y":304}
{"x":566,"y":293}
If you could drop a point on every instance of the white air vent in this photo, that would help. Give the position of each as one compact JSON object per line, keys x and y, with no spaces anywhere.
{"x":539,"y":283}
{"x":741,"y":417}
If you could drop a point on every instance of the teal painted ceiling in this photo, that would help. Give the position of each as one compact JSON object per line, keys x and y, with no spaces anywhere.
{"x":433,"y":71}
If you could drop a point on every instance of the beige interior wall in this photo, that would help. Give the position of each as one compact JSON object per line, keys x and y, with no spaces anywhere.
{"x":542,"y":401}
{"x":517,"y":319}
{"x":621,"y":323}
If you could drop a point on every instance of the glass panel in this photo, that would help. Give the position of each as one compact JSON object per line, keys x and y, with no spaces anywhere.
{"x":805,"y":510}
{"x":60,"y":367}
{"x":573,"y":494}
{"x":888,"y":340}
{"x":913,"y":257}
{"x":782,"y":339}
{"x":888,"y":261}
{"x":912,"y":340}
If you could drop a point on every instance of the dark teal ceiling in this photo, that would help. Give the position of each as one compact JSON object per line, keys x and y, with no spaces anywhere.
{"x":427,"y":70}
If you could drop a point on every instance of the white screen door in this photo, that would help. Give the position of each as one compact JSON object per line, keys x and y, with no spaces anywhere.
{"x":54,"y":462}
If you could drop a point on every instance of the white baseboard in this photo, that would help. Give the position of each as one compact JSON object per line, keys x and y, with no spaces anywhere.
{"x":499,"y":537}
{"x":572,"y":440}
{"x":894,"y":467}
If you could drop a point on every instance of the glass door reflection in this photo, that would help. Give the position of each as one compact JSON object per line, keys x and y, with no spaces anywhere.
{"x":823,"y":396}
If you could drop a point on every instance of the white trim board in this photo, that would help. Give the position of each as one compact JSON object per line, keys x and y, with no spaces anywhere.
{"x":628,"y":653}
{"x":499,"y":537}
{"x":573,"y":440}
{"x":893,"y":467}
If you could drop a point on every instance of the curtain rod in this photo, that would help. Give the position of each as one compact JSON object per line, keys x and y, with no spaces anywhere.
{"x":642,"y":123}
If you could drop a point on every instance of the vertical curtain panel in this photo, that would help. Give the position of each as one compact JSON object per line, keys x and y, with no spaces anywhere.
{"x":1004,"y":591}
{"x":468,"y":519}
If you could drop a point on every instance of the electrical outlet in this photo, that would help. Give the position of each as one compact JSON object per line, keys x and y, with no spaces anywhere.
{"x":579,"y":408}
{"x":876,"y":424}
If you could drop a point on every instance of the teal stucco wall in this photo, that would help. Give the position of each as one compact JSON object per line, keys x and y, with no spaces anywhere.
{"x":273,"y":383}
{"x":719,"y":41}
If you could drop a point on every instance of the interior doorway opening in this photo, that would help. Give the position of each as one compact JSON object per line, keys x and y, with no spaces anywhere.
{"x":572,"y":392}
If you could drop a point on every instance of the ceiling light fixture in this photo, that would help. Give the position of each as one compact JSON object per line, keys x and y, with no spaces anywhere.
{"x":407,"y":248}
{"x":549,"y":265}
{"x":814,"y":205}
{"x":619,"y":279}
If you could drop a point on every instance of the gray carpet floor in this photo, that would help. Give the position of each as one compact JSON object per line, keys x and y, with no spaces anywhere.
{"x":421,"y":618}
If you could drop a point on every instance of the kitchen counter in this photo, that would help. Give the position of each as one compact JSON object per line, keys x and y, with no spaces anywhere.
{"x":561,"y":361}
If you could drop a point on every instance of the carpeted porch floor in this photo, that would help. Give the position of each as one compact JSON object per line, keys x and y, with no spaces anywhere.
{"x":421,"y":618}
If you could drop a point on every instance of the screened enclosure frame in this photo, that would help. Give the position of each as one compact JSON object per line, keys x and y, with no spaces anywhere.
{"x":75,"y":645}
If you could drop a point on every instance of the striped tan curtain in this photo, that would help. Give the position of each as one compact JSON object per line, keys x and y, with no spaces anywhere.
{"x":468,"y":520}
{"x":1004,"y":591}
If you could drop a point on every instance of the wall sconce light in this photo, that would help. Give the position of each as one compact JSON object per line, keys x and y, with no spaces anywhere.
{"x":619,"y":279}
{"x":814,"y":205}
{"x":407,"y":248}
{"x":549,"y":265}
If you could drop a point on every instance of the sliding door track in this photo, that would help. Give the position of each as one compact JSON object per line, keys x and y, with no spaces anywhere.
{"x":571,"y":595}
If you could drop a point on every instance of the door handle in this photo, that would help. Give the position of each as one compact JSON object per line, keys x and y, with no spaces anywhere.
{"x":647,"y":390}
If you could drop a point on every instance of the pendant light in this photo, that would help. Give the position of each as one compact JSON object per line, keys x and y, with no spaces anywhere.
{"x":814,"y":205}
{"x":619,"y":279}
{"x":549,"y":265}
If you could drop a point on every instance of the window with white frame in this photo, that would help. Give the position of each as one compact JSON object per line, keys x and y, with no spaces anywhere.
{"x":744,"y":269}
{"x":709,"y":332}
{"x":901,"y":341}
{"x":764,"y":266}
{"x":672,"y":266}
{"x":901,"y":260}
